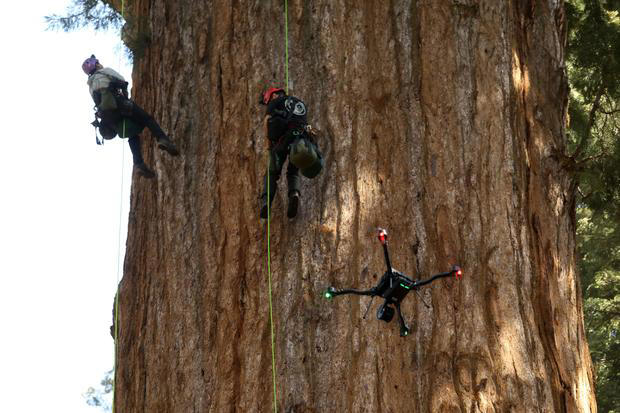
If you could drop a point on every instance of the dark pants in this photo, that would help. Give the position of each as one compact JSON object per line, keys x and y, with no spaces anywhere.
{"x":130,"y":110}
{"x":277,"y":156}
{"x":136,"y":151}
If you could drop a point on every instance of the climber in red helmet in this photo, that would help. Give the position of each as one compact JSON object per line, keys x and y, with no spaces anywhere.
{"x":285,"y":120}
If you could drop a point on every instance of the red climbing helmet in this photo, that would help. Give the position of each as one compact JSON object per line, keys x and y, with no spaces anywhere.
{"x":90,"y":65}
{"x":269,"y":92}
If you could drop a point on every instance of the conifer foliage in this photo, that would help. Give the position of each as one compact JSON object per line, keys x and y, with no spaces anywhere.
{"x":98,"y":14}
{"x":593,"y":59}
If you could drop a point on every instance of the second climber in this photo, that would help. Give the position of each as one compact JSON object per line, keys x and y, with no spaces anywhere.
{"x":285,"y":120}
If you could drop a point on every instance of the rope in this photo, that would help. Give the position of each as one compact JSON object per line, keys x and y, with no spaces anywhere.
{"x":273,"y":344}
{"x":286,"y":41}
{"x":273,"y":335}
{"x":118,"y":266}
{"x":118,"y":251}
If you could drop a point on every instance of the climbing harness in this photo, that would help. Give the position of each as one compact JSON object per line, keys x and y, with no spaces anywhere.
{"x":393,"y":287}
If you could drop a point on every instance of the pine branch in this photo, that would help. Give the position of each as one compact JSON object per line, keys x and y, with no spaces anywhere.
{"x":81,"y":13}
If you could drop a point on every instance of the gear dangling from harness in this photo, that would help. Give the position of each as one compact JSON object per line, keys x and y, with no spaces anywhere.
{"x":106,"y":131}
{"x":96,"y":124}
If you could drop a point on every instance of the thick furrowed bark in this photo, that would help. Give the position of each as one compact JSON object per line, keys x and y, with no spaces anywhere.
{"x":440,"y":121}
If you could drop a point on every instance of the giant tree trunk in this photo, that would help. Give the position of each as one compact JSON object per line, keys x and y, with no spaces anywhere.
{"x":442,"y":121}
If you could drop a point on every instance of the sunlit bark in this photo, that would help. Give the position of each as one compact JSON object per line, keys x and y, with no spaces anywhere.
{"x":441,"y":121}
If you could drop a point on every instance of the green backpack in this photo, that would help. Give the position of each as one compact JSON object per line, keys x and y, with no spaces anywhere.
{"x":305,"y":155}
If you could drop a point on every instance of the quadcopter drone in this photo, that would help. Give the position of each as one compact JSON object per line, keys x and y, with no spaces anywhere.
{"x":394,"y":287}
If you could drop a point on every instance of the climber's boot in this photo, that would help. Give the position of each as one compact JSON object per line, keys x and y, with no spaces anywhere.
{"x":293,"y":204}
{"x":167,"y":145}
{"x":143,"y":170}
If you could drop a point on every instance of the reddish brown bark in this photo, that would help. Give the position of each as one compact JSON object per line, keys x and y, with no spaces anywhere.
{"x":442,"y":121}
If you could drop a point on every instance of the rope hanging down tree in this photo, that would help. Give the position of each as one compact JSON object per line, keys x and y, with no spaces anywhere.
{"x":118,"y":251}
{"x":273,"y":352}
{"x":116,"y":303}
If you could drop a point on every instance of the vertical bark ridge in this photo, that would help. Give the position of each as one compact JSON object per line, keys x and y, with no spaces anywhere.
{"x":439,"y":120}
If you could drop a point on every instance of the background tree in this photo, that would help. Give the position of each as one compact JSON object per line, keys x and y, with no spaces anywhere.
{"x":101,"y":396}
{"x":593,"y":60}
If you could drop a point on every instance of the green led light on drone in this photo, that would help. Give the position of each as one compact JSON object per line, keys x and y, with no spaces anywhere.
{"x":328,"y":295}
{"x":404,"y":286}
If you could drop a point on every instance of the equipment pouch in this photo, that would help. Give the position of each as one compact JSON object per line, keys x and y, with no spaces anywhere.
{"x":305,"y":155}
{"x":107,"y":132}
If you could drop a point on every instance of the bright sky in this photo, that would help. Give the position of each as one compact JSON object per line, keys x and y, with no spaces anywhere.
{"x":60,"y":198}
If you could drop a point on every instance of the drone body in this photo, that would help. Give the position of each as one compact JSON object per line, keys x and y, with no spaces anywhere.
{"x":393,"y":287}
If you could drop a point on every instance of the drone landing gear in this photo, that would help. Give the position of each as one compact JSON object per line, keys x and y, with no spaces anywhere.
{"x":385,"y":313}
{"x":404,"y":328}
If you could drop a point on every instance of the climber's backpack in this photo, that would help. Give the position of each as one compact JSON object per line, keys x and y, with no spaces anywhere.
{"x":304,"y":154}
{"x":123,"y":127}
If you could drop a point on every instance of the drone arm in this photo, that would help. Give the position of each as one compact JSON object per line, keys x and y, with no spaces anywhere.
{"x":387,"y":258}
{"x":383,"y":240}
{"x":456,"y":271}
{"x":433,"y":278}
{"x":334,"y":292}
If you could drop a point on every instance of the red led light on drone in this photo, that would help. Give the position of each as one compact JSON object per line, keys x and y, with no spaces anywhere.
{"x":382,"y":236}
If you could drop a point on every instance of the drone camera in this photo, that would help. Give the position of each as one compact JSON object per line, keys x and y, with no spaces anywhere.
{"x":385,"y":313}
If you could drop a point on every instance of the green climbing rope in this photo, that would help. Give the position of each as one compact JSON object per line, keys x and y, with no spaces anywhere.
{"x":118,"y":253}
{"x":273,"y":345}
{"x":286,"y":42}
{"x":118,"y":265}
{"x":273,"y":335}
